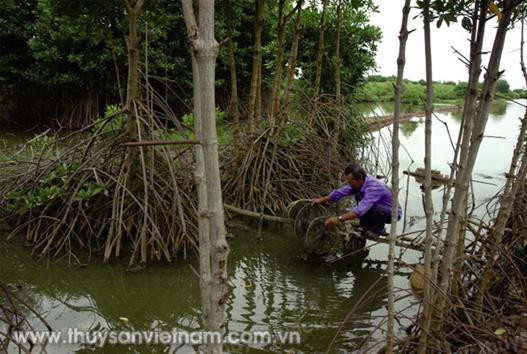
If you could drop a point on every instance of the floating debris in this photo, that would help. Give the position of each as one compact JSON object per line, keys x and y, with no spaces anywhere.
{"x":437,"y":178}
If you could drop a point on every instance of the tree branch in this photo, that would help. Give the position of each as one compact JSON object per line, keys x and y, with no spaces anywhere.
{"x":522,"y":43}
{"x":128,"y":6}
{"x":190,"y":19}
{"x":296,"y":8}
{"x":138,"y":5}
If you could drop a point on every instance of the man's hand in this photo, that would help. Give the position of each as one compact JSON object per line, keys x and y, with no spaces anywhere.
{"x":331,"y":222}
{"x":318,"y":200}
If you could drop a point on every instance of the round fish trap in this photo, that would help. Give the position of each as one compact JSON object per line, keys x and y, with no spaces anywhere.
{"x":304,"y":216}
{"x":294,"y":208}
{"x":319,"y":240}
{"x":309,"y":227}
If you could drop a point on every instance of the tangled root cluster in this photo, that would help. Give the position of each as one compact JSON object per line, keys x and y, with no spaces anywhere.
{"x":87,"y":189}
{"x":269,"y":175}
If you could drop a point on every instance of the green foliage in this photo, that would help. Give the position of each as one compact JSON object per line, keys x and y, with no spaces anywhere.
{"x":358,"y":46}
{"x":60,"y":50}
{"x":52,"y":187}
{"x":70,"y":51}
{"x":381,"y":89}
{"x":57,"y":51}
{"x":375,"y":91}
{"x":224,"y":136}
{"x":498,"y":108}
{"x":413,"y":92}
{"x":112,"y":124}
{"x":519,"y":93}
{"x":188,"y":119}
{"x":448,"y":11}
{"x":291,"y":134}
{"x":502,"y":87}
{"x":446,"y":91}
{"x":409,"y":127}
{"x":461,"y":89}
{"x":15,"y":31}
{"x":354,"y":133}
{"x":89,"y":190}
{"x":41,"y":141}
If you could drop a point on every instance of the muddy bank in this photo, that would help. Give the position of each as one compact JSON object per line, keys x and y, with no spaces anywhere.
{"x":376,"y":123}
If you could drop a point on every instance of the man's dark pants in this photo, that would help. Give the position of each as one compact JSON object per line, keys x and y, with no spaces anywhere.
{"x":375,"y":218}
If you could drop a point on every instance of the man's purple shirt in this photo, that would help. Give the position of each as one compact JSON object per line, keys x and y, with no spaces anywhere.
{"x":372,"y":191}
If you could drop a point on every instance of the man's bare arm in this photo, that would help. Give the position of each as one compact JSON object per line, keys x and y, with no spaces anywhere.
{"x":321,"y":200}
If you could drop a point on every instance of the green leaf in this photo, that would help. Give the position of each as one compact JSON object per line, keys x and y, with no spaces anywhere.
{"x":500,"y":331}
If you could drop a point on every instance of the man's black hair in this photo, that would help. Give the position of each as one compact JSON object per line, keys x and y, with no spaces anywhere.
{"x":356,"y":171}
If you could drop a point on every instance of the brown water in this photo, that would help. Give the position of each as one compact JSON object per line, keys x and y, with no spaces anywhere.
{"x":273,"y":288}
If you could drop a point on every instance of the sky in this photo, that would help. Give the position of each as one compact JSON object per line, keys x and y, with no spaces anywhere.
{"x":446,"y":65}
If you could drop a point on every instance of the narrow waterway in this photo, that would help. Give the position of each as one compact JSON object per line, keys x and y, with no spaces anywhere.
{"x":273,"y":287}
{"x":492,"y":163}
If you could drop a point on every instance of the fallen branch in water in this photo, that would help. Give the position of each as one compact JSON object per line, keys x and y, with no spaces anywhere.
{"x":253,"y":214}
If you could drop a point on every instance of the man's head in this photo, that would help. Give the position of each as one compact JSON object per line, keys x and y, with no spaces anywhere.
{"x":355,"y":176}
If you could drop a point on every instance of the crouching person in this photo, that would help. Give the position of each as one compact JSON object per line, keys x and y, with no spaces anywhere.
{"x":373,"y":197}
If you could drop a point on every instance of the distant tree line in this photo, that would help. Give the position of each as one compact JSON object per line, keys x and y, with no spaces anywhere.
{"x":379,"y":88}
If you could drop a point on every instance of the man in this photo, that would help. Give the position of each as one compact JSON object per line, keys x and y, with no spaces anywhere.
{"x":374,"y":201}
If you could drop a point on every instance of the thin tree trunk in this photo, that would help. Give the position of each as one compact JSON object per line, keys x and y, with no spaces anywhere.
{"x":235,"y":110}
{"x":132,"y":91}
{"x":203,"y":220}
{"x":460,"y":251}
{"x":320,"y":52}
{"x":428,"y":204}
{"x":522,"y":46}
{"x":117,"y":73}
{"x":213,"y":254}
{"x":275,"y":99}
{"x":401,"y":61}
{"x":291,"y":64}
{"x":256,"y":66}
{"x":476,"y":45}
{"x":464,"y":176}
{"x":258,"y":105}
{"x":338,"y":63}
{"x":463,"y":143}
{"x":133,"y":66}
{"x":318,"y":65}
{"x":515,"y":177}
